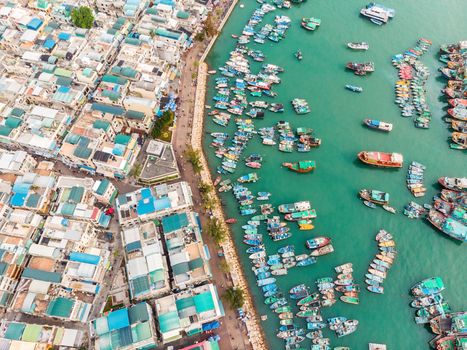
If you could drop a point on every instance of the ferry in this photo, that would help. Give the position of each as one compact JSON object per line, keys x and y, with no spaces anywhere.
{"x":376,"y":14}
{"x":382,"y":159}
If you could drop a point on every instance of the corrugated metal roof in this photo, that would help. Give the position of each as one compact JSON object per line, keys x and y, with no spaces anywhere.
{"x":138,"y":313}
{"x":41,"y":275}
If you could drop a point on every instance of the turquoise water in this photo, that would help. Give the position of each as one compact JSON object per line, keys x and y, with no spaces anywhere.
{"x":336,"y":117}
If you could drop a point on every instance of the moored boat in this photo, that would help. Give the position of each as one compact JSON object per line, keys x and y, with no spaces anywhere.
{"x":381,"y":159}
{"x":304,"y":166}
{"x":378,"y":125}
{"x":358,"y":45}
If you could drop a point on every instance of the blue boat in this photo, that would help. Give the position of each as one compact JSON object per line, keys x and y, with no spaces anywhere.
{"x":271,"y":293}
{"x":255,"y":249}
{"x":286,"y":249}
{"x":247,"y":212}
{"x":308,"y":261}
{"x":354,"y":88}
{"x":253,"y":242}
{"x":270,"y":287}
{"x":263,"y":275}
{"x":315,"y":325}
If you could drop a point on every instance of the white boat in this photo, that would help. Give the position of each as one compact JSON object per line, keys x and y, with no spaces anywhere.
{"x":359,"y":46}
{"x":376,"y":14}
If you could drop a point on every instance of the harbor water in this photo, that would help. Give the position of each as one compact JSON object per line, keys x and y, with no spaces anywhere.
{"x":332,"y":188}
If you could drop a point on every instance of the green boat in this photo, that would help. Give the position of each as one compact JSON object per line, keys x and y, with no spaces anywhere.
{"x":325,"y":280}
{"x":286,"y":322}
{"x":282,"y":309}
{"x":259,"y":217}
{"x":304,"y":131}
{"x":304,"y":166}
{"x":311,"y":23}
{"x":271,"y":300}
{"x":308,"y":300}
{"x":349,"y":300}
{"x":306,"y":214}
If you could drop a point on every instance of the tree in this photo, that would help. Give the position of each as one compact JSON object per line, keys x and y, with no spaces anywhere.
{"x":204,"y":187}
{"x":199,"y":36}
{"x":162,"y":124}
{"x":82,"y":17}
{"x":234,"y":297}
{"x":194,"y":158}
{"x":215,"y":230}
{"x":210,"y":26}
{"x":136,"y":170}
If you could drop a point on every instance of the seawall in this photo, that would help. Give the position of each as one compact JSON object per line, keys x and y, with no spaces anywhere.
{"x":255,"y":332}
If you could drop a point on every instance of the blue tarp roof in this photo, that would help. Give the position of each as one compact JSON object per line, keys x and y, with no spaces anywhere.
{"x":49,"y":44}
{"x":34,"y":24}
{"x":118,"y":319}
{"x":64,"y":36}
{"x":145,"y":206}
{"x":18,"y":199}
{"x":85,"y":258}
{"x":146,"y":193}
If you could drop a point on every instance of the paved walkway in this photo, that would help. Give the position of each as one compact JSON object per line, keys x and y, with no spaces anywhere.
{"x":189,"y":131}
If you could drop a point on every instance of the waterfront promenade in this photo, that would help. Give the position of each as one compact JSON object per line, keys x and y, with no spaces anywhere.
{"x":189,"y":132}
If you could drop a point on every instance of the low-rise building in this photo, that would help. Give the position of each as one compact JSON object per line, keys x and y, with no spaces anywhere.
{"x":16,"y":162}
{"x":146,"y":264}
{"x":116,"y":158}
{"x":33,"y":192}
{"x":160,"y":164}
{"x":75,"y":200}
{"x":149,"y":203}
{"x":188,"y":312}
{"x":28,"y":336}
{"x":131,"y":328}
{"x":188,"y":256}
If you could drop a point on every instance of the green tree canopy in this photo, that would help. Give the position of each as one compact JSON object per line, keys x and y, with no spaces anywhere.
{"x":234,"y":297}
{"x":82,"y":17}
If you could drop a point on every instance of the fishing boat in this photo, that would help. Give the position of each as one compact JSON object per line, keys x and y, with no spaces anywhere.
{"x":358,"y":45}
{"x":453,"y":183}
{"x":231,"y":221}
{"x":307,"y":261}
{"x":251,"y":177}
{"x":305,"y":225}
{"x":361,"y":68}
{"x":311,"y":23}
{"x":389,"y":209}
{"x":306,"y":214}
{"x":354,"y":88}
{"x":323,"y":250}
{"x":294,"y":207}
{"x":376,"y":289}
{"x":428,"y":286}
{"x":381,"y":159}
{"x":347,"y":328}
{"x":317,"y":242}
{"x":302,"y":167}
{"x":378,"y":125}
{"x":374,"y":196}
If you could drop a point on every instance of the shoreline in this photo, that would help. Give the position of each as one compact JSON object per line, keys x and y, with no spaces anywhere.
{"x":256,"y":335}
